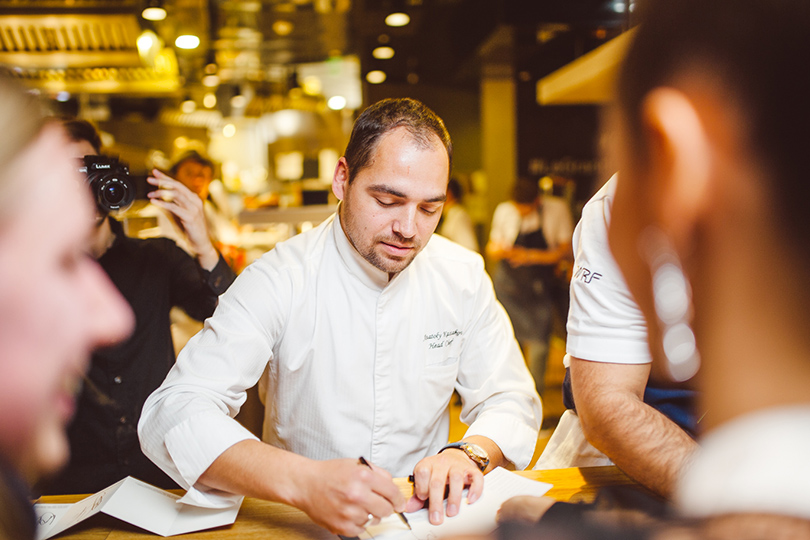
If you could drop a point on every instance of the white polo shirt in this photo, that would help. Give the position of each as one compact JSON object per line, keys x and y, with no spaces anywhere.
{"x":604,"y":322}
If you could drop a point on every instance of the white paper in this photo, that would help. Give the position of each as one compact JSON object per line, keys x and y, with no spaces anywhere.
{"x":476,"y":518}
{"x":135,"y":502}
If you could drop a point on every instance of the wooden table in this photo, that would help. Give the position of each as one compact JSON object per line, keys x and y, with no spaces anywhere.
{"x":268,"y":520}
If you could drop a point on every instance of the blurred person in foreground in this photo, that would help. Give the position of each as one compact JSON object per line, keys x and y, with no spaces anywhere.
{"x":616,"y":413}
{"x":456,"y":223}
{"x":530,"y":236}
{"x":56,"y":304}
{"x":357,"y":331}
{"x":711,"y":231}
{"x":154,"y":275}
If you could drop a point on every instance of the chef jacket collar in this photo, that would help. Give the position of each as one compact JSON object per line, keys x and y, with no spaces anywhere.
{"x":358,"y":266}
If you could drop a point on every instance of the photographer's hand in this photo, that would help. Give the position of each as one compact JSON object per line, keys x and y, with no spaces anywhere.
{"x":187,"y":209}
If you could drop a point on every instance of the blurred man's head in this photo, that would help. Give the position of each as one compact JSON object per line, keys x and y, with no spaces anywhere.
{"x":195,"y":172}
{"x":526,"y":195}
{"x":56,"y":304}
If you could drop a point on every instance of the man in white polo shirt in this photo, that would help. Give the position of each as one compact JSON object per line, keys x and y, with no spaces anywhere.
{"x":615,"y":414}
{"x":358,"y":331}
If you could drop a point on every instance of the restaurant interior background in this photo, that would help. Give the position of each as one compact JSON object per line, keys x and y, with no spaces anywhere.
{"x":269,"y":90}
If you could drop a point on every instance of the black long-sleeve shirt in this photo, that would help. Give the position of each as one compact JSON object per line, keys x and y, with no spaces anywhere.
{"x":154,"y":275}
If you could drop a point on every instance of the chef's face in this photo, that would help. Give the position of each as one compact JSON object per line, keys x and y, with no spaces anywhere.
{"x":392,"y":207}
{"x":56,"y":304}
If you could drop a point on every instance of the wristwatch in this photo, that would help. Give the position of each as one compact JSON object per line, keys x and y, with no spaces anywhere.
{"x":477,"y":454}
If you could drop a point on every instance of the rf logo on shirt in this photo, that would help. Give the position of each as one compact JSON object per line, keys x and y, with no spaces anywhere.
{"x":586,"y":275}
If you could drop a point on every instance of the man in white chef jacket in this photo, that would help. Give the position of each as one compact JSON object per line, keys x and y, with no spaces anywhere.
{"x":357,"y":331}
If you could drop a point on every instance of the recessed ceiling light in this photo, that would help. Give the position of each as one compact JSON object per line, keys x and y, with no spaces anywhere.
{"x":397,"y":19}
{"x":376,"y":76}
{"x":210,"y":100}
{"x":153,"y":13}
{"x":187,"y":41}
{"x":383,"y":53}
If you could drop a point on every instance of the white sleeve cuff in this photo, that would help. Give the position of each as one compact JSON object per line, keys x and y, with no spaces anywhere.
{"x":515,"y":438}
{"x":193,"y":445}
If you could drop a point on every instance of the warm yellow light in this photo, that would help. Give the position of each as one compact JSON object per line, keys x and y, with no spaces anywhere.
{"x":188,"y":106}
{"x":229,"y":130}
{"x":336,"y":103}
{"x":312,"y":85}
{"x":283,"y":28}
{"x":187,"y":41}
{"x":210,"y":100}
{"x":376,"y":76}
{"x":210,"y":81}
{"x":154,"y":14}
{"x":383,"y":53}
{"x":238,"y":101}
{"x":397,"y":19}
{"x":145,"y":42}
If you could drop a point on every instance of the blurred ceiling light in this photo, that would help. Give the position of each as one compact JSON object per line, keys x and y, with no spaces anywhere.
{"x":188,"y":106}
{"x":210,"y":100}
{"x":229,"y":130}
{"x":619,"y":6}
{"x":336,"y":103}
{"x":376,"y":76}
{"x":187,"y":41}
{"x":283,"y":28}
{"x":210,"y":69}
{"x":154,"y":11}
{"x":62,"y":96}
{"x":383,"y":53}
{"x":287,"y":122}
{"x":238,"y":101}
{"x":397,"y":19}
{"x":210,"y":81}
{"x":145,"y":42}
{"x":312,"y":85}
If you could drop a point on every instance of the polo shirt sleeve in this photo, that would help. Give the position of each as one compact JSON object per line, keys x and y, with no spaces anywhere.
{"x":604,"y":322}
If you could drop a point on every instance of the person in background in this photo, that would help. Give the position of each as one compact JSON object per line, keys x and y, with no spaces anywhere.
{"x":357,"y":331}
{"x":615,"y":413}
{"x":456,"y":222}
{"x":711,"y":232}
{"x":56,"y":304}
{"x":154,"y":275}
{"x":530,"y":236}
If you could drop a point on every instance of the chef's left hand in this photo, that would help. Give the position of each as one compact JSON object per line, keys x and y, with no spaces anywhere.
{"x":446,"y":473}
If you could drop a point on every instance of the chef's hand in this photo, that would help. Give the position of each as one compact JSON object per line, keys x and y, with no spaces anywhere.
{"x":445,"y":474}
{"x":187,"y":209}
{"x":345,"y":497}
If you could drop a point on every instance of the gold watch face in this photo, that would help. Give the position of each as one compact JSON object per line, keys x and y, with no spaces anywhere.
{"x":477,"y":452}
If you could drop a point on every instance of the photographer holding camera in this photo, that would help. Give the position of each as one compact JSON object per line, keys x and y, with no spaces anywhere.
{"x":154,"y":275}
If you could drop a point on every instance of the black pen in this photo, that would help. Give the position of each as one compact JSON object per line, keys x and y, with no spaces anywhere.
{"x":363,"y":461}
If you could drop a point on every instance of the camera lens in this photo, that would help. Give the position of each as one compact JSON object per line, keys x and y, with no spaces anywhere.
{"x":114,"y":193}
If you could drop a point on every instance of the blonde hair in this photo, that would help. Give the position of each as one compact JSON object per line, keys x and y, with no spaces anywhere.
{"x":20,"y":123}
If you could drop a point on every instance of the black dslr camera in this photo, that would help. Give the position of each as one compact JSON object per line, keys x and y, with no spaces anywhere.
{"x":112,"y":186}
